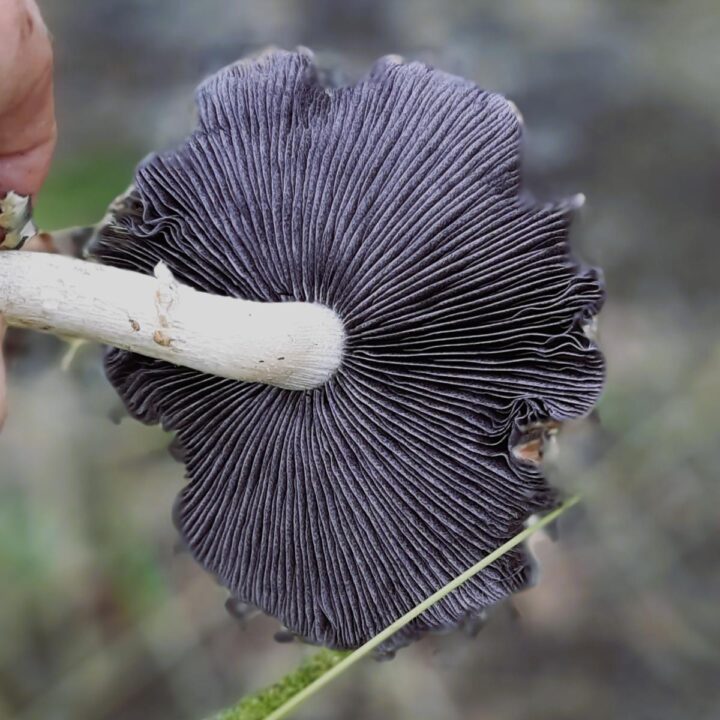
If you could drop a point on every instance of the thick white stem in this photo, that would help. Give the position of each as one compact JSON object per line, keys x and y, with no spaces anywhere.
{"x":293,"y":345}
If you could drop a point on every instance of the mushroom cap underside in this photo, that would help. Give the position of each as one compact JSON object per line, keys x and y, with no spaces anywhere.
{"x":397,"y":203}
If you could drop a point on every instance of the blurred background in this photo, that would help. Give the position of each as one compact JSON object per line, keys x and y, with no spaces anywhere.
{"x":102,"y":618}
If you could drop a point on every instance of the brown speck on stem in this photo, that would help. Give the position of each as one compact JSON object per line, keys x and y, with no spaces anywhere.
{"x":161,"y":338}
{"x":135,"y":325}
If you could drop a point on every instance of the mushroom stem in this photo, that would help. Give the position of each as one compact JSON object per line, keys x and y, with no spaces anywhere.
{"x":293,"y":345}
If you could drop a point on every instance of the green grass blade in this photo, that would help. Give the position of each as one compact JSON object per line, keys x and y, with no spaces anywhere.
{"x":281,"y":699}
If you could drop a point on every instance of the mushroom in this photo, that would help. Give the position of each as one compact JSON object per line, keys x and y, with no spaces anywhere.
{"x":381,"y":227}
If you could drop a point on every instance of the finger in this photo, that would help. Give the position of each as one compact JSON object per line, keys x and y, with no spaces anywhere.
{"x":27,"y":115}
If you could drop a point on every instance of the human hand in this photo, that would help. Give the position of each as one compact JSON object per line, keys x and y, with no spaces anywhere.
{"x":27,"y":117}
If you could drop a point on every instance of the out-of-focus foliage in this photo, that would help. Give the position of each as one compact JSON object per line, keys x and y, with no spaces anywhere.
{"x":80,"y":188}
{"x":101,"y":616}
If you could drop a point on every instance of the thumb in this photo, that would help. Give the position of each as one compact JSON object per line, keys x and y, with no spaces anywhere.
{"x":27,"y":115}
